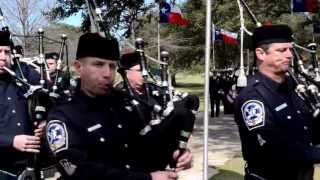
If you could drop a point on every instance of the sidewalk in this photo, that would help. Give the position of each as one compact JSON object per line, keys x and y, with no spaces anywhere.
{"x":223,"y":144}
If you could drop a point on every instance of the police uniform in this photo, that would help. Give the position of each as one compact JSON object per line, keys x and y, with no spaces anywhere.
{"x":226,"y":86}
{"x":275,"y":124}
{"x":90,"y":137}
{"x":215,"y":96}
{"x":64,"y":88}
{"x":14,"y":119}
{"x":159,"y":134}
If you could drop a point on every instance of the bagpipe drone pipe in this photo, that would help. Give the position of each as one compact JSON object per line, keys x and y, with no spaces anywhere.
{"x":178,"y":109}
{"x":36,"y":84}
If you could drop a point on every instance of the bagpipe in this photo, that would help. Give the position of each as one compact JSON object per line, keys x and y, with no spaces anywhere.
{"x":307,"y":81}
{"x":160,"y":109}
{"x":40,"y":91}
{"x":170,"y":101}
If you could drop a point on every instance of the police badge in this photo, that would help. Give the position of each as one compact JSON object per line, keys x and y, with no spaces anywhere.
{"x":253,"y":114}
{"x":57,"y":136}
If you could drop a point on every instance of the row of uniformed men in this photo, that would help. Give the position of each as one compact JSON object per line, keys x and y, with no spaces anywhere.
{"x":96,"y":134}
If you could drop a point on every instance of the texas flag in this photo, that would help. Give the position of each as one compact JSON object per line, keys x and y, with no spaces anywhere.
{"x":224,"y":35}
{"x":171,"y":14}
{"x":216,"y":34}
{"x":229,"y":37}
{"x":306,"y":6}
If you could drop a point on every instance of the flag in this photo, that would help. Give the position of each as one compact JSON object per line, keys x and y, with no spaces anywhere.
{"x":306,"y":6}
{"x":171,"y":14}
{"x":229,"y":37}
{"x":224,"y":35}
{"x":216,"y":34}
{"x":175,"y":17}
{"x":164,"y":12}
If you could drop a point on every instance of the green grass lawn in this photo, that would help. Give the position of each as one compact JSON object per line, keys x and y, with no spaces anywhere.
{"x":232,"y":170}
{"x":191,"y":83}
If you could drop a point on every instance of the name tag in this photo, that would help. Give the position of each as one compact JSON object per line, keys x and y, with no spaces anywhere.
{"x":95,"y":127}
{"x":282,"y":106}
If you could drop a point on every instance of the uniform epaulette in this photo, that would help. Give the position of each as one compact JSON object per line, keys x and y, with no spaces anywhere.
{"x":254,"y":81}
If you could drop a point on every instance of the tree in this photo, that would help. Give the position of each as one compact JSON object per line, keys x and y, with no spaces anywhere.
{"x":226,"y":15}
{"x":52,"y":39}
{"x":24,"y":17}
{"x":186,"y":44}
{"x":117,"y":14}
{"x":185,"y":52}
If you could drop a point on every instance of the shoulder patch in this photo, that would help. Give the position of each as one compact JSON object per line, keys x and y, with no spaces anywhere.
{"x":57,"y":136}
{"x":253,"y":114}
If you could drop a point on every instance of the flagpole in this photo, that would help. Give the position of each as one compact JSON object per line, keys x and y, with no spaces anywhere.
{"x":213,"y":40}
{"x":158,"y":41}
{"x":206,"y":91}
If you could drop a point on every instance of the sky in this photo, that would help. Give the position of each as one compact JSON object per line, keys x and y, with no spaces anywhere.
{"x":74,"y":20}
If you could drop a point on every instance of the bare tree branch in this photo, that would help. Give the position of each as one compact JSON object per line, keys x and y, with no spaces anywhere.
{"x":24,"y":17}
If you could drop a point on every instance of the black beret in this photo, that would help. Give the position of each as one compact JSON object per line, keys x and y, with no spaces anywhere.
{"x":52,"y":55}
{"x":271,"y":34}
{"x":5,"y":38}
{"x":94,"y":45}
{"x":130,"y":59}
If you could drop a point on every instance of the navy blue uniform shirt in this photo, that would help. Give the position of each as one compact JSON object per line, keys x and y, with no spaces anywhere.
{"x":14,"y":120}
{"x":275,"y":129}
{"x":90,"y":138}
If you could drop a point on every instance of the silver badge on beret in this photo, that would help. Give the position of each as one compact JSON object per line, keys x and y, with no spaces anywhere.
{"x":57,"y":136}
{"x":253,"y":114}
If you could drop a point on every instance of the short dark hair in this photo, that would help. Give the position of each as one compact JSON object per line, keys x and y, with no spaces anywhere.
{"x":52,"y":55}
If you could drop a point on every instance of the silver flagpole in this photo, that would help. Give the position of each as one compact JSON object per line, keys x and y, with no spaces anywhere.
{"x":213,"y":41}
{"x":158,"y":40}
{"x":206,"y":90}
